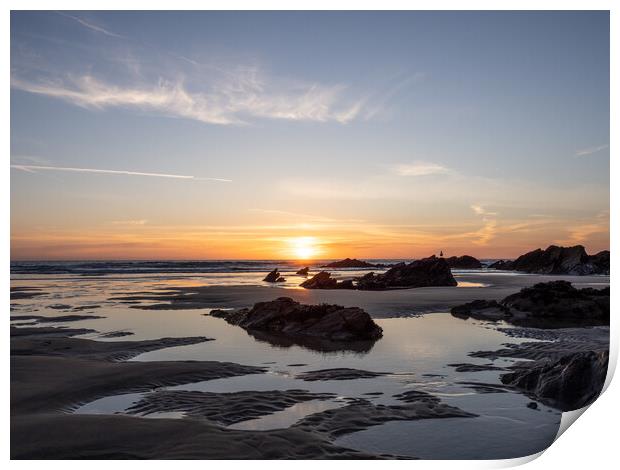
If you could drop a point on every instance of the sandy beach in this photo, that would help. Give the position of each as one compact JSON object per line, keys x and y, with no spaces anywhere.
{"x":88,"y":372}
{"x":379,"y":304}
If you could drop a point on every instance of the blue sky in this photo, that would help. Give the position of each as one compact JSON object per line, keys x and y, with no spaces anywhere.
{"x":377,"y":134}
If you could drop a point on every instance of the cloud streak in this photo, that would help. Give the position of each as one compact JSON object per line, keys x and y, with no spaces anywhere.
{"x":91,"y":26}
{"x":484,"y":235}
{"x":421,"y":169}
{"x":35,"y":168}
{"x":591,"y":150}
{"x":236,"y":100}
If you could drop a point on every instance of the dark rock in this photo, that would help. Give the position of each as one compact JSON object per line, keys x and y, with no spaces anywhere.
{"x":601,"y":261}
{"x":274,"y":276}
{"x":553,"y":304}
{"x":289,"y":318}
{"x":425,"y":272}
{"x":500,"y":264}
{"x":464,"y":262}
{"x":558,"y":260}
{"x":323,"y":280}
{"x":570,"y":383}
{"x":346,"y":284}
{"x":559,"y":300}
{"x":337,"y":374}
{"x":303,"y":271}
{"x":350,"y":263}
{"x":532,"y":405}
{"x":481,"y":310}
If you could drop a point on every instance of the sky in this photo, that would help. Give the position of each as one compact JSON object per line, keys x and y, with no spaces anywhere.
{"x":282,"y":135}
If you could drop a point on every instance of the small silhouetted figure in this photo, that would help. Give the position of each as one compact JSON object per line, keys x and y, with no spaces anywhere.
{"x":441,"y":253}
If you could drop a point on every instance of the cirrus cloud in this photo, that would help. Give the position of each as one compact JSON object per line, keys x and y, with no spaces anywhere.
{"x":420,"y":168}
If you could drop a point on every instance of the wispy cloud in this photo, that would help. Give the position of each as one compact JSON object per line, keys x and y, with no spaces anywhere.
{"x":35,"y":168}
{"x":90,"y":25}
{"x":129,"y":222}
{"x":581,"y":232}
{"x":591,"y":150}
{"x":489,"y":228}
{"x":421,"y":169}
{"x":230,"y":101}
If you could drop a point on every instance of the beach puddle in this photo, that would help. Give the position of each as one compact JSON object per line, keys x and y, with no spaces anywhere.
{"x":287,"y":417}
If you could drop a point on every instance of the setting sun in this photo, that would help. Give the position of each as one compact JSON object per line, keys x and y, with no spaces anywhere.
{"x":304,"y":247}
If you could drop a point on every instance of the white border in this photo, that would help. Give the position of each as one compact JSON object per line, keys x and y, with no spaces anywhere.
{"x":590,"y":444}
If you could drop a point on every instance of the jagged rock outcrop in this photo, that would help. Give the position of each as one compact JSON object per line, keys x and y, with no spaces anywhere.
{"x":425,"y":272}
{"x":558,"y":260}
{"x":324,"y":280}
{"x":274,"y":276}
{"x":464,"y":262}
{"x":284,"y":316}
{"x":570,"y":383}
{"x":350,"y":263}
{"x":303,"y":271}
{"x":501,"y":265}
{"x":546,"y":304}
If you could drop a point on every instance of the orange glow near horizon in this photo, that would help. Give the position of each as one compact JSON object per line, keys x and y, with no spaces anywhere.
{"x":318,"y":240}
{"x":304,"y":248}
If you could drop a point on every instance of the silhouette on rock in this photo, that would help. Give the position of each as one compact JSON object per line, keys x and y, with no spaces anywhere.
{"x":427,"y":272}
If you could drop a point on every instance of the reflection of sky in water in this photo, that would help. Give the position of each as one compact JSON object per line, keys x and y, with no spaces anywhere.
{"x":411,"y":351}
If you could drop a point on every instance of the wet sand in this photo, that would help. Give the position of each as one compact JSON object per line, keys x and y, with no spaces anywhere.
{"x":53,"y":375}
{"x":379,"y":304}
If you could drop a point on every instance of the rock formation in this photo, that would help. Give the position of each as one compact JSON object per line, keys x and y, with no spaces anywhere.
{"x":323,"y":280}
{"x":303,"y":271}
{"x":350,"y":263}
{"x":464,"y":262}
{"x":558,"y":260}
{"x":274,"y":276}
{"x":286,"y":317}
{"x":547,"y":304}
{"x":570,"y":383}
{"x":425,"y":272}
